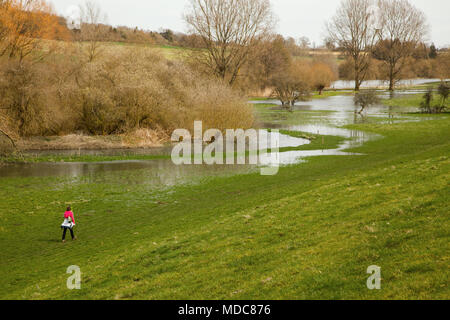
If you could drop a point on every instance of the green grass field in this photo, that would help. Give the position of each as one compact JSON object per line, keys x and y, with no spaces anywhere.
{"x":309,"y":232}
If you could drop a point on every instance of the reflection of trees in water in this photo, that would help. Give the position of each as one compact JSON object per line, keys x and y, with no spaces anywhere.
{"x":359,"y":117}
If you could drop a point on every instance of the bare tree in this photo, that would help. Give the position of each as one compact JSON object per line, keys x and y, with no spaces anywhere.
{"x":91,"y":17}
{"x":353,"y":28}
{"x":366,"y":99}
{"x":403,"y":27}
{"x":228,"y":28}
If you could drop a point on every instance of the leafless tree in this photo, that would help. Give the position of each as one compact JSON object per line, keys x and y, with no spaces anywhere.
{"x":366,"y":99}
{"x":353,"y":28}
{"x":228,"y":28}
{"x":91,"y":17}
{"x":403,"y":27}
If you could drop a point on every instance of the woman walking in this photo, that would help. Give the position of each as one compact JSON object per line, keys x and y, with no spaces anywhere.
{"x":68,"y":224}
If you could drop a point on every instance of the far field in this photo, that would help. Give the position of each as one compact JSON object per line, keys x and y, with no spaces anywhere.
{"x":175,"y":53}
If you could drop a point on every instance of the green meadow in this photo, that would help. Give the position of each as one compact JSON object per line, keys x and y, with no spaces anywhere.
{"x":413,"y":100}
{"x":309,"y":232}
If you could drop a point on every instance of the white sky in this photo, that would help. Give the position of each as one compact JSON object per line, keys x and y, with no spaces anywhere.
{"x":296,"y":18}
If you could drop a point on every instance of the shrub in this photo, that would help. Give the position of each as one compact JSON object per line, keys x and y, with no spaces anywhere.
{"x":322,"y":76}
{"x":443,"y":91}
{"x":426,"y":103}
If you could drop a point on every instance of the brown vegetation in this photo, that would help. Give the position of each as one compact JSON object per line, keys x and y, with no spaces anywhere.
{"x":128,"y":91}
{"x":23,"y":23}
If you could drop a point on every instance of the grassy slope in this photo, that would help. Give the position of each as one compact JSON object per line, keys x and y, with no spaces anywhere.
{"x":309,"y":232}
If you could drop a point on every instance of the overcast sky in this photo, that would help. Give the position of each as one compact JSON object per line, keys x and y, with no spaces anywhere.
{"x":296,"y":18}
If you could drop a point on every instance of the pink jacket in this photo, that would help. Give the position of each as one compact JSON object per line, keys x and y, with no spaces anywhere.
{"x":68,"y":214}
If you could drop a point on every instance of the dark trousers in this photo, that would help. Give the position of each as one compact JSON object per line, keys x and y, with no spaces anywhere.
{"x":64,"y":233}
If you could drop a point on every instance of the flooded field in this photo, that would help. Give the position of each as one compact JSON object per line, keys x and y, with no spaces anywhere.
{"x":319,"y":116}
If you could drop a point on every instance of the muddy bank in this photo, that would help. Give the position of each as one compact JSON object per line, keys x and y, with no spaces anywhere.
{"x":138,"y":139}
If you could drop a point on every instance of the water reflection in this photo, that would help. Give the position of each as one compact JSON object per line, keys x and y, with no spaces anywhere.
{"x":157,"y":172}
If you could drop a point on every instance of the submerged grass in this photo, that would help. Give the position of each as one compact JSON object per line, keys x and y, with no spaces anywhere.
{"x":413,"y":100}
{"x":25,"y":158}
{"x":314,"y":95}
{"x":318,"y":142}
{"x":309,"y":232}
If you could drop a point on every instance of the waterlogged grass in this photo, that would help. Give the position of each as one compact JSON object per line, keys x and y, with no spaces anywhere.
{"x":309,"y":232}
{"x":19,"y":158}
{"x":413,"y":100}
{"x":314,"y":95}
{"x":432,"y":85}
{"x":170,"y":52}
{"x":330,"y":93}
{"x":318,"y":142}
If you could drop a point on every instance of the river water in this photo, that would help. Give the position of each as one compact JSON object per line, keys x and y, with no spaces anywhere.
{"x":319,"y":116}
{"x":382,"y":84}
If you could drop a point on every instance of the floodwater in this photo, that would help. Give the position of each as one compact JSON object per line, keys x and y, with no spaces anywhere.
{"x":319,"y":116}
{"x":343,"y":84}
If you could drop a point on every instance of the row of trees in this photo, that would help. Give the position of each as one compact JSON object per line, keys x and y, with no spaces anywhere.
{"x":389,"y":30}
{"x":414,"y":67}
{"x":382,"y":39}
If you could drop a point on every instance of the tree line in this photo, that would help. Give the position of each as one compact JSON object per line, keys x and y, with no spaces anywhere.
{"x":383,"y":34}
{"x":382,"y":39}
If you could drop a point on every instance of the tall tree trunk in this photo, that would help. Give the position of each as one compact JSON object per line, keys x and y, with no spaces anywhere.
{"x":391,"y":80}
{"x":357,"y":82}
